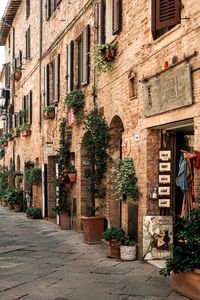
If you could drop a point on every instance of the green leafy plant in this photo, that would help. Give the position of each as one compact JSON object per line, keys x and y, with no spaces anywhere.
{"x":34,"y":212}
{"x":13,"y":195}
{"x":126,"y":241}
{"x":22,"y":113}
{"x":126,"y":186}
{"x":2,"y":153}
{"x":186,"y":249}
{"x":16,"y":129}
{"x":2,"y":141}
{"x":28,"y":164}
{"x":7,"y":135}
{"x":63,"y":204}
{"x":113,"y":233}
{"x":46,"y":110}
{"x":25,"y":127}
{"x":95,"y":143}
{"x":33,"y":176}
{"x":75,"y":100}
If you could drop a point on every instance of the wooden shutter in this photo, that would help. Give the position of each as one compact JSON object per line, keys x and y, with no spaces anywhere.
{"x":116,"y":16}
{"x":70,"y":66}
{"x":13,"y":120}
{"x":46,"y":85}
{"x":85,"y":48}
{"x":56,"y":80}
{"x":29,"y":43}
{"x":19,"y":60}
{"x":29,"y":108}
{"x":167,"y":13}
{"x":7,"y":75}
{"x":101,"y":22}
{"x":24,"y":107}
{"x":48,"y":9}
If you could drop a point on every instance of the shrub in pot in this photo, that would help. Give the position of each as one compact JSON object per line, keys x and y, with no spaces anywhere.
{"x":34,"y":213}
{"x":114,"y":235}
{"x":185,"y":263}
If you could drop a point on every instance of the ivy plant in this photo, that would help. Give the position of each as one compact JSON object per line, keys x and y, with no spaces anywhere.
{"x":95,"y":143}
{"x":126,"y":186}
{"x":75,"y":100}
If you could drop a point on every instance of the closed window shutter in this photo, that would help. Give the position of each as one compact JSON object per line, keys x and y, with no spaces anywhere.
{"x":101,"y":22}
{"x":26,"y":45}
{"x":116,"y":16}
{"x":85,"y":48}
{"x":153,"y":17}
{"x":18,"y":120}
{"x":46,"y":85}
{"x":29,"y":108}
{"x":57,"y":78}
{"x":70,"y":66}
{"x":24,"y":108}
{"x":48,"y":9}
{"x":19,"y":60}
{"x":29,"y":42}
{"x":167,"y":13}
{"x":7,"y":75}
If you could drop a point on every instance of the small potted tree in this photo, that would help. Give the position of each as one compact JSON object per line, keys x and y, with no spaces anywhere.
{"x":184,"y":266}
{"x":114,"y":235}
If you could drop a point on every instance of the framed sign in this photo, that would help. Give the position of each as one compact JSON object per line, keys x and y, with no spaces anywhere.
{"x":163,"y":203}
{"x":164,"y":179}
{"x":164,"y":166}
{"x":164,"y":190}
{"x":165,"y":155}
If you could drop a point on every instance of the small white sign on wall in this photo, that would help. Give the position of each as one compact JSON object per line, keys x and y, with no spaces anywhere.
{"x":49,"y":148}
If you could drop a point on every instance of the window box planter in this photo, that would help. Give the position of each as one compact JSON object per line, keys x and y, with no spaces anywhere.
{"x":187,"y":283}
{"x":26,"y":133}
{"x":93,"y":227}
{"x":17,"y":75}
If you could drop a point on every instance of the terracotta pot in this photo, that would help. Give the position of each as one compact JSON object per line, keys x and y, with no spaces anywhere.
{"x":72,"y":177}
{"x":18,"y":207}
{"x":26,"y":133}
{"x":93,"y":227}
{"x":4,"y":204}
{"x":187,"y":283}
{"x":10,"y":206}
{"x":114,"y":250}
{"x":17,"y":75}
{"x":64,"y":220}
{"x":68,"y":185}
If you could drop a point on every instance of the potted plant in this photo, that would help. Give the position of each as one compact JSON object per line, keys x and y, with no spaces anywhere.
{"x":29,"y":165}
{"x":17,"y":131}
{"x":18,"y":178}
{"x":33,"y":176}
{"x":34,"y":213}
{"x":113,"y":235}
{"x":128,"y":248}
{"x":71,"y":175}
{"x":63,"y":209}
{"x":95,"y":143}
{"x":18,"y":200}
{"x":75,"y":100}
{"x":185,"y":263}
{"x":48,"y":112}
{"x":25,"y":129}
{"x":126,"y":181}
{"x":17,"y":74}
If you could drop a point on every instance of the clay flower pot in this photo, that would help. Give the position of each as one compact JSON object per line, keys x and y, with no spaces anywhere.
{"x":114,"y":250}
{"x":93,"y":227}
{"x":4,"y":203}
{"x":17,"y":75}
{"x":10,"y":206}
{"x":64,"y":220}
{"x":72,"y":177}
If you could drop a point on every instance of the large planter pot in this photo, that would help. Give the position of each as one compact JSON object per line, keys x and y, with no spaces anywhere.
{"x":18,"y":207}
{"x":4,"y":203}
{"x":114,"y":249}
{"x":128,"y":252}
{"x":64,"y":220}
{"x":93,"y":227}
{"x":187,"y":283}
{"x":10,"y":206}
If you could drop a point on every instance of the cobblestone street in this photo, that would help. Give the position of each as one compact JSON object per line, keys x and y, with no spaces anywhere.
{"x":39,"y":261}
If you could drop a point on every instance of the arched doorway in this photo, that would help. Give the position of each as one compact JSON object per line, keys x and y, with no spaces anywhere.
{"x":115,"y":153}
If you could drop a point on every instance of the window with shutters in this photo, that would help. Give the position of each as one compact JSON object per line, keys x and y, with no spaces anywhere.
{"x":26,"y":117}
{"x":52,"y":82}
{"x":70,"y":66}
{"x":165,"y":15}
{"x":28,"y":44}
{"x":9,"y":44}
{"x":109,"y":20}
{"x":19,"y":60}
{"x":51,"y":6}
{"x":28,"y":9}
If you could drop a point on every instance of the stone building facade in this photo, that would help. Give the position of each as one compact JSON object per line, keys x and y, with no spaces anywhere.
{"x":150,"y":99}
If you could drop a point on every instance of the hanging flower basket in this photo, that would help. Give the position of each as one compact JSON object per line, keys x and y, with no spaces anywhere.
{"x":108,"y":54}
{"x":17,"y":75}
{"x":72,"y":177}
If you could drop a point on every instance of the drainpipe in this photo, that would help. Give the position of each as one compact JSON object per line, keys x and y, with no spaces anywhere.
{"x":94,"y":70}
{"x":40,"y":67}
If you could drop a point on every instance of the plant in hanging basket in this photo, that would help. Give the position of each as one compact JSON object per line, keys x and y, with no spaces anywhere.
{"x":48,"y":112}
{"x":17,"y":74}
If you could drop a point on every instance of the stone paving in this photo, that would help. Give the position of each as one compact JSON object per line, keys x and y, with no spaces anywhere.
{"x":38,"y":261}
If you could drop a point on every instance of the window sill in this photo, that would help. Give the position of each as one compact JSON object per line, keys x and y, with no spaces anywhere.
{"x":177,"y":27}
{"x":132,"y":98}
